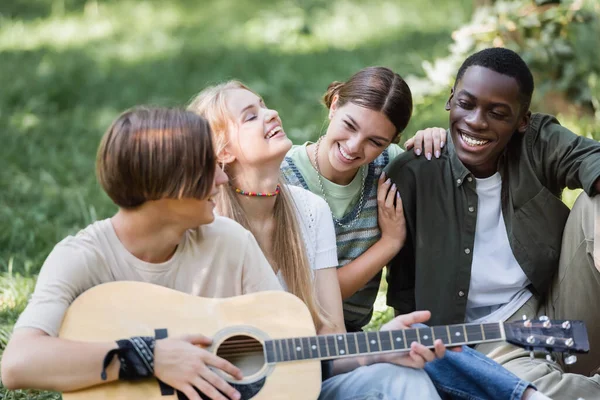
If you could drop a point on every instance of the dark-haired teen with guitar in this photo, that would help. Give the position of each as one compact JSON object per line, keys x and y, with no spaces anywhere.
{"x":159,"y":167}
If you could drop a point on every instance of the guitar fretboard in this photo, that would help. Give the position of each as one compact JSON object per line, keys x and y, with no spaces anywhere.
{"x":352,"y":344}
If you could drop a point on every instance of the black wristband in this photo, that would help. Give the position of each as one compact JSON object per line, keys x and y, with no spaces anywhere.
{"x":136,"y":356}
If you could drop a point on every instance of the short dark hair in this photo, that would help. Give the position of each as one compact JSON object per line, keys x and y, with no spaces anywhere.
{"x":505,"y":62}
{"x":376,"y":88}
{"x":155,"y":153}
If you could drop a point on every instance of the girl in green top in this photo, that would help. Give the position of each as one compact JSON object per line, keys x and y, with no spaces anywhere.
{"x":345,"y":167}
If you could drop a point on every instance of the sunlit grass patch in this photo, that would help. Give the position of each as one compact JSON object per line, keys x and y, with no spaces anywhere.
{"x":15,"y":290}
{"x":569,"y":196}
{"x":28,"y":395}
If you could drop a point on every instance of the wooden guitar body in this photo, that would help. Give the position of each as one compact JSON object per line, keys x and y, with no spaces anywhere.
{"x":120,"y":310}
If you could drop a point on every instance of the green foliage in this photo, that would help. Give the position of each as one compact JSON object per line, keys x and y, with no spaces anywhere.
{"x":557,"y":39}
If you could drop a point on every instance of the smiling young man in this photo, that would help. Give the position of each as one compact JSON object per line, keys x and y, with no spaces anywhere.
{"x":485,"y":221}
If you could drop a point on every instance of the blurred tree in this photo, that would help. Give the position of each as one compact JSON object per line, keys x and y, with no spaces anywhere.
{"x":482,"y":3}
{"x":557,"y":38}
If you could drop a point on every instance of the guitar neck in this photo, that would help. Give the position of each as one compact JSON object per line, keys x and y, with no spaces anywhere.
{"x":361,"y":343}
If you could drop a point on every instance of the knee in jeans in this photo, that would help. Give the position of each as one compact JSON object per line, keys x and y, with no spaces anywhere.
{"x":390,"y":378}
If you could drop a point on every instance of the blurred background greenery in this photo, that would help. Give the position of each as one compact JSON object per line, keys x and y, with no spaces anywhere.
{"x":68,"y":67}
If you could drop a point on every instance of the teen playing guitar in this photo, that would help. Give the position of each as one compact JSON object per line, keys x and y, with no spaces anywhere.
{"x":159,"y":167}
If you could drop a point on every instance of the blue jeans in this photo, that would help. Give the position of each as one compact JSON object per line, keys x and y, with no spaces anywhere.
{"x":471,"y":375}
{"x":379,"y":382}
{"x":465,"y":375}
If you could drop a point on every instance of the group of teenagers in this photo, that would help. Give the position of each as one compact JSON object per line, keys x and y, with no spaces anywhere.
{"x":215,"y":201}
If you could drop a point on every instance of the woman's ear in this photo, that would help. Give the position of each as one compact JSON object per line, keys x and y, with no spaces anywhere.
{"x":225,"y":157}
{"x":334,"y":106}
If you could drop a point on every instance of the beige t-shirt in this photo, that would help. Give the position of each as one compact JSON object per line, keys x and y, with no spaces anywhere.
{"x":221,"y":259}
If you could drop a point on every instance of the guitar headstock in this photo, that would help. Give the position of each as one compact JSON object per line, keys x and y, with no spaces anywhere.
{"x":544,"y":334}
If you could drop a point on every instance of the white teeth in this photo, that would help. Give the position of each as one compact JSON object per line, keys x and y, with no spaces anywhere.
{"x":273,"y":132}
{"x":346,"y":156}
{"x":471,"y":141}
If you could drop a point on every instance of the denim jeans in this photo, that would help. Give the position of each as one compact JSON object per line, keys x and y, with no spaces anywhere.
{"x":459,"y":375}
{"x":471,"y":375}
{"x":379,"y":382}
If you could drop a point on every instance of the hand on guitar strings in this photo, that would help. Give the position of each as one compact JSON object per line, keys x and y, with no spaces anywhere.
{"x":182,"y":364}
{"x":418,"y":354}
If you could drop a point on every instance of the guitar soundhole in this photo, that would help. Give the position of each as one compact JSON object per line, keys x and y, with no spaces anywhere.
{"x":245,"y":352}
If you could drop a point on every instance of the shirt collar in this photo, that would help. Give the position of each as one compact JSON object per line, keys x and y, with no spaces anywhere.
{"x":459,"y":171}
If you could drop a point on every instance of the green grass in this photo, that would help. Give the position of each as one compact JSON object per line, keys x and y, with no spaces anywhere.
{"x":68,"y":67}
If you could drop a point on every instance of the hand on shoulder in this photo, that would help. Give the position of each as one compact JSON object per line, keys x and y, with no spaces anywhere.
{"x":429,"y":141}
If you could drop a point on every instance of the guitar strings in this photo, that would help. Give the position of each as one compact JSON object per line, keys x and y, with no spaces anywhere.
{"x":235,"y":346}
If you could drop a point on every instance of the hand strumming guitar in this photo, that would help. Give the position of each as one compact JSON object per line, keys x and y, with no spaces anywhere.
{"x":182,"y":364}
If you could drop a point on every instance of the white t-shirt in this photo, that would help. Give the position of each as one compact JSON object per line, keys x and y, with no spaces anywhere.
{"x":316,"y":226}
{"x":498,"y":285}
{"x":220,"y":259}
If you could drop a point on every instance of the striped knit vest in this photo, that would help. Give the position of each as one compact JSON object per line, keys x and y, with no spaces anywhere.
{"x":355,"y":240}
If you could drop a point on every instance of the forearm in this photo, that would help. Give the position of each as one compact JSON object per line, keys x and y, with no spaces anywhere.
{"x":343,"y":365}
{"x":45,"y":362}
{"x":356,"y":274}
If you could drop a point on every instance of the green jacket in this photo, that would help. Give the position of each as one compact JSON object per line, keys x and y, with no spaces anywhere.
{"x":433,"y":270}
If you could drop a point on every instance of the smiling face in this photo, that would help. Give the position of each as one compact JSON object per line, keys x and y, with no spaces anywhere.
{"x":356,"y":136}
{"x":485,"y":111}
{"x":256,"y":135}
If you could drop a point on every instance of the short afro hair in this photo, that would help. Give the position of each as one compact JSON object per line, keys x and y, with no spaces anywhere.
{"x":505,"y":62}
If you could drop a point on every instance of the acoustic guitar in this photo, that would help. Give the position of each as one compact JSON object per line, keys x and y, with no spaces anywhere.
{"x":270,"y":336}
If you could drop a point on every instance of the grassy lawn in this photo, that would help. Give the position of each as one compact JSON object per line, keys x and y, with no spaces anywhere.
{"x":68,"y":67}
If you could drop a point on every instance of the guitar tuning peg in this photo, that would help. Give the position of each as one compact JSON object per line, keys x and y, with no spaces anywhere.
{"x":524,"y":317}
{"x":570,"y":359}
{"x":532,"y":354}
{"x":550,"y":357}
{"x":547,"y":324}
{"x":543,"y":318}
{"x":566,"y":325}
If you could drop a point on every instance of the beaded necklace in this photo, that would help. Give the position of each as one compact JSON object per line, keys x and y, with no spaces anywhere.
{"x":361,"y":201}
{"x":258,"y":194}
